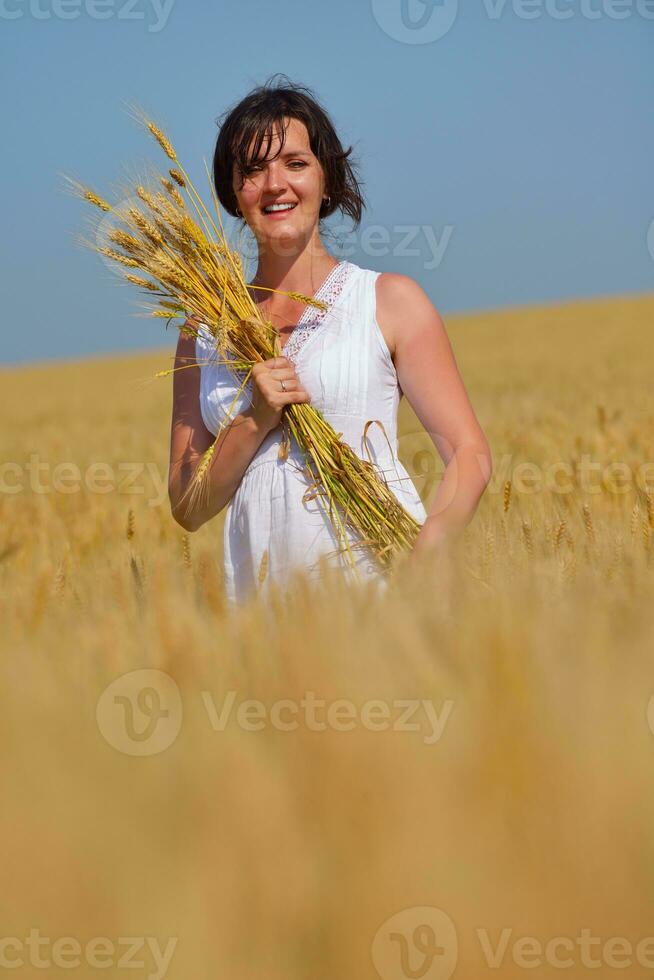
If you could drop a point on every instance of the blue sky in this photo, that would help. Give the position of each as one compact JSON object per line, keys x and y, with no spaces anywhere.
{"x":505,"y":147}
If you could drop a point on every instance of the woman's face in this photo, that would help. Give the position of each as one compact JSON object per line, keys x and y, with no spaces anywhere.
{"x":294,"y":177}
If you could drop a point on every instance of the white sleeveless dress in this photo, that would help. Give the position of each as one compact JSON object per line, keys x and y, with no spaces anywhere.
{"x":342,"y":359}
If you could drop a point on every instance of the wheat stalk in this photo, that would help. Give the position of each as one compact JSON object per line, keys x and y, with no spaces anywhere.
{"x":559,"y":533}
{"x":506,"y":496}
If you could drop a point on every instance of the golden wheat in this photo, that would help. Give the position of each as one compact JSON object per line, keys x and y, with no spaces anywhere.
{"x":507,"y":821}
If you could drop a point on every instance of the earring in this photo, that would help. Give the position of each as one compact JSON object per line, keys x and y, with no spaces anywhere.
{"x":238,"y":213}
{"x":327,"y":201}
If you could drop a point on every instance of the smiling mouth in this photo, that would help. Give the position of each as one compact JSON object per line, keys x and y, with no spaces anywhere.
{"x":279,"y":210}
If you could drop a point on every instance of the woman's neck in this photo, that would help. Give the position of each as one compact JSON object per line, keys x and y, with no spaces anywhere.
{"x":301,"y":273}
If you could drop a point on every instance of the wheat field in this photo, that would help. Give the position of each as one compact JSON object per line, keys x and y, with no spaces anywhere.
{"x":454,"y":780}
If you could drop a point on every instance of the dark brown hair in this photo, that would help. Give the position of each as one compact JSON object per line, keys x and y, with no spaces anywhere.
{"x":257,"y":117}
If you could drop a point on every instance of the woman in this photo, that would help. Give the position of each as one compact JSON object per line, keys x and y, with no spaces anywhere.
{"x":280,"y":167}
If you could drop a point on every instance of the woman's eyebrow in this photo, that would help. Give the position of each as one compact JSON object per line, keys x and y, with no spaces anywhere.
{"x":290,"y":153}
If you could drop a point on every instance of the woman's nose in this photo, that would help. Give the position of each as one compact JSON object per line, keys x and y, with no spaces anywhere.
{"x":273,"y":178}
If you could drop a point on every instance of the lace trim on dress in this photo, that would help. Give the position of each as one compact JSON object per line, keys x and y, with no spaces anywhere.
{"x":311,"y":318}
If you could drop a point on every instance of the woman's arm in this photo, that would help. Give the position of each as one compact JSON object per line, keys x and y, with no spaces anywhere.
{"x":189,"y":438}
{"x":430,"y":379}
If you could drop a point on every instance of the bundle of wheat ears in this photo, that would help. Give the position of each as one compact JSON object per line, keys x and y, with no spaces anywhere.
{"x":171,"y":247}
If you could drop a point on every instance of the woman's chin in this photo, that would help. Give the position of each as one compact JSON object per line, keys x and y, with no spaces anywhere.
{"x":279,"y":234}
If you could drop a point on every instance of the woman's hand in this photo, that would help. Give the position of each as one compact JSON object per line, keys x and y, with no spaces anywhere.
{"x":269,"y":398}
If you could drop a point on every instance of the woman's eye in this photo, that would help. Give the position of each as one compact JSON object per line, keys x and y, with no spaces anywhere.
{"x":256,"y":168}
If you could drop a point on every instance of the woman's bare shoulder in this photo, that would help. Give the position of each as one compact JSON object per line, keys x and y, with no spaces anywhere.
{"x":396,"y":296}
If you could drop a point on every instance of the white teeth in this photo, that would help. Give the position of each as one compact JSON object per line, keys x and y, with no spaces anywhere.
{"x":279,"y":207}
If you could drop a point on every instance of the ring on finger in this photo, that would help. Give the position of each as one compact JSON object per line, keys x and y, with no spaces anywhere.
{"x":283,"y":385}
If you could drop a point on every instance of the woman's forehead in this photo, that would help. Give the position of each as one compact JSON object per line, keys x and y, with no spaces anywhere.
{"x":296,"y":138}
